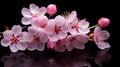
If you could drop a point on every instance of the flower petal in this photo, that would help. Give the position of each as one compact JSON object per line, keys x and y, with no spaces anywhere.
{"x":44,"y":38}
{"x":97,"y":30}
{"x":69,"y":45}
{"x":34,"y":9}
{"x":59,"y":20}
{"x":79,"y":45}
{"x":43,"y":10}
{"x":73,"y":31}
{"x":7,"y":34}
{"x":61,"y":35}
{"x":52,"y":37}
{"x":103,"y":45}
{"x":83,"y":24}
{"x":13,"y":48}
{"x":50,"y":27}
{"x":66,"y":27}
{"x":60,"y":46}
{"x":32,"y":30}
{"x":84,"y":30}
{"x":82,"y":38}
{"x":26,"y":13}
{"x":25,"y":21}
{"x":104,"y":35}
{"x":17,"y":29}
{"x":5,"y":43}
{"x":21,"y":46}
{"x":31,"y":46}
{"x":40,"y":46}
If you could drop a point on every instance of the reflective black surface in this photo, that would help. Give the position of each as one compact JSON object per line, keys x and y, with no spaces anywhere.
{"x":76,"y":58}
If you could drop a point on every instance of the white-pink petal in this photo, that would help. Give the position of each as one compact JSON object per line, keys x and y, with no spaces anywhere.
{"x":31,"y":46}
{"x":52,"y":37}
{"x":84,"y":30}
{"x":25,"y":21}
{"x":13,"y":48}
{"x":50,"y":27}
{"x":73,"y":31}
{"x":26,"y":13}
{"x":103,"y":45}
{"x":103,"y":35}
{"x":34,"y":9}
{"x":78,"y":45}
{"x":21,"y":45}
{"x":7,"y":34}
{"x":40,"y":46}
{"x":44,"y":38}
{"x":83,"y":24}
{"x":5,"y":43}
{"x":97,"y":30}
{"x":42,"y":10}
{"x":61,"y":35}
{"x":17,"y":30}
{"x":32,"y":30}
{"x":59,"y":20}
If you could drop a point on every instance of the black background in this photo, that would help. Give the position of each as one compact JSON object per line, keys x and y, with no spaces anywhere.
{"x":10,"y":14}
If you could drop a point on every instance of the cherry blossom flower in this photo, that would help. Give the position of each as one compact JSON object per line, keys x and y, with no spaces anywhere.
{"x":59,"y":45}
{"x":103,"y":22}
{"x":99,"y":37}
{"x":71,"y":17}
{"x":37,"y":38}
{"x":14,"y":39}
{"x":40,"y":21}
{"x":76,"y":41}
{"x":51,"y":9}
{"x":51,"y":45}
{"x":79,"y":27}
{"x":33,"y":12}
{"x":57,"y":28}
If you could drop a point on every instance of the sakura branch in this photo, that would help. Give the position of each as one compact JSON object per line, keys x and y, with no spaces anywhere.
{"x":61,"y":33}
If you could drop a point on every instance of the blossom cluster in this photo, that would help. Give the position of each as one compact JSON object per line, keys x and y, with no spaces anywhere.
{"x":63,"y":32}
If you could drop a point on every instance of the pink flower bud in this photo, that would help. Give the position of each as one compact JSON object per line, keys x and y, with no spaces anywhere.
{"x":103,"y":22}
{"x":51,"y":9}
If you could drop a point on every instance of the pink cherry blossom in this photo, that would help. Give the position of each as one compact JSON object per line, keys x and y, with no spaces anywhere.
{"x":103,"y":22}
{"x":14,"y":39}
{"x":59,"y":45}
{"x":99,"y":37}
{"x":71,"y":17}
{"x":51,"y":9}
{"x":51,"y":45}
{"x":40,"y":21}
{"x":79,"y":27}
{"x":37,"y":38}
{"x":57,"y":28}
{"x":76,"y":41}
{"x":33,"y":12}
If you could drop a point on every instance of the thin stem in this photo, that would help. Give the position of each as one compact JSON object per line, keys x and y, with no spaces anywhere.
{"x":93,"y":26}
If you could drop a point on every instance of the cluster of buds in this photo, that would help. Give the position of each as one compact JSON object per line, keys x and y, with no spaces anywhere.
{"x":63,"y":32}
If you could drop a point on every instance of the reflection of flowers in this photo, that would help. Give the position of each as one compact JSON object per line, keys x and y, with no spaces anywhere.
{"x":40,"y":59}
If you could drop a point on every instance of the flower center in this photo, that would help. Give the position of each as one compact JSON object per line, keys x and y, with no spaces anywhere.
{"x":14,"y":40}
{"x":36,"y":37}
{"x":76,"y":26}
{"x":35,"y":15}
{"x":43,"y":25}
{"x":57,"y":29}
